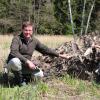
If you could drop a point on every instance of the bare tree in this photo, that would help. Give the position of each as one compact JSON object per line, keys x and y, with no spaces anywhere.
{"x":89,"y":17}
{"x":69,"y":3}
{"x":83,"y":14}
{"x":30,"y":10}
{"x":36,"y":10}
{"x":38,"y":13}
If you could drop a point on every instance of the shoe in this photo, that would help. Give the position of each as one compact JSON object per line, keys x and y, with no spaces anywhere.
{"x":5,"y":78}
{"x":22,"y":84}
{"x":19,"y":80}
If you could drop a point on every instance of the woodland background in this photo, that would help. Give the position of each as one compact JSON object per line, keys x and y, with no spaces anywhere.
{"x":50,"y":16}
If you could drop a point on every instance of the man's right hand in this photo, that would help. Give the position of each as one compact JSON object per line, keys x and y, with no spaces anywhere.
{"x":30,"y":64}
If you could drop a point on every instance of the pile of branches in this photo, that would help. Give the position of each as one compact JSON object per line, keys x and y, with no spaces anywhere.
{"x":82,"y":64}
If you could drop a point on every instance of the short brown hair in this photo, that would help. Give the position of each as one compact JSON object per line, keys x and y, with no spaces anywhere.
{"x":27,"y":23}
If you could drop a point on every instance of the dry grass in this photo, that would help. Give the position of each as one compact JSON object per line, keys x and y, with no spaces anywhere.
{"x":5,"y":42}
{"x":53,"y":41}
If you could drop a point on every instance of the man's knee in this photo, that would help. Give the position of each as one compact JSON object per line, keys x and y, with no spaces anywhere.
{"x":14,"y":64}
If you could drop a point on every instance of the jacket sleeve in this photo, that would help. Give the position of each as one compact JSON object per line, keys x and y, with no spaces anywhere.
{"x":15,"y":49}
{"x":45,"y":50}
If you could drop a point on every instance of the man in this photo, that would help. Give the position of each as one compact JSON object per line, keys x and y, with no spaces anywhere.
{"x":21,"y":50}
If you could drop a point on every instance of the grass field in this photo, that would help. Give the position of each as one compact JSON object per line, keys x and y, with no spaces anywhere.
{"x":64,"y":88}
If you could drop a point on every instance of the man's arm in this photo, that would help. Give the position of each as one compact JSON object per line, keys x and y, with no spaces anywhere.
{"x":45,"y":50}
{"x":15,"y":52}
{"x":95,"y":46}
{"x":15,"y":49}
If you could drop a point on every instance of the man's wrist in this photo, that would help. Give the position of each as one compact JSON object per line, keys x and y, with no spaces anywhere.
{"x":27,"y":61}
{"x":59,"y":55}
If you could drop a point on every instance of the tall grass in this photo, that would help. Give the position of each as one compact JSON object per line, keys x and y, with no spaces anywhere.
{"x":53,"y":41}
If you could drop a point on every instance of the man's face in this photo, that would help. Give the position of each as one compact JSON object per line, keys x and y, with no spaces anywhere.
{"x":27,"y":31}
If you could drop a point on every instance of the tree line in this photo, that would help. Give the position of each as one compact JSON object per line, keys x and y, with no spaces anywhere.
{"x":50,"y":16}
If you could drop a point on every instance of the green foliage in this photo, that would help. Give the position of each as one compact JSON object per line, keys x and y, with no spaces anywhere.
{"x":60,"y":9}
{"x":62,"y":14}
{"x":53,"y":28}
{"x":81,"y":87}
{"x":50,"y":16}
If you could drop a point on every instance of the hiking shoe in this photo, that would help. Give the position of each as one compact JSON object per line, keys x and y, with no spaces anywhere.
{"x":5,"y":78}
{"x":22,"y":84}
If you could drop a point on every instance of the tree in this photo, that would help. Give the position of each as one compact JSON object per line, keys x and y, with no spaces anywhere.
{"x":80,"y":13}
{"x":50,"y":16}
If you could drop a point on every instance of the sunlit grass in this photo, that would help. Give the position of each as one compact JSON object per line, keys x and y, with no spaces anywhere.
{"x":54,"y":41}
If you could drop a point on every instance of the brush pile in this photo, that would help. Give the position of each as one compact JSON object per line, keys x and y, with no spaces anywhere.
{"x":82,"y":64}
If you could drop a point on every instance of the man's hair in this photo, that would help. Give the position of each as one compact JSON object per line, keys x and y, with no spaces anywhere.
{"x":27,"y":23}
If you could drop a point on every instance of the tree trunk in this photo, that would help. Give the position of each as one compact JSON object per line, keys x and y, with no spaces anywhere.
{"x":82,"y":24}
{"x":71,"y":18}
{"x":89,"y":17}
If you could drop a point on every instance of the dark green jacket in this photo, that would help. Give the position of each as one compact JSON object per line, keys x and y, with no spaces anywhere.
{"x":23,"y":49}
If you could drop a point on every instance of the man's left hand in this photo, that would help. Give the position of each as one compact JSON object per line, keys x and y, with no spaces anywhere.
{"x":65,"y":56}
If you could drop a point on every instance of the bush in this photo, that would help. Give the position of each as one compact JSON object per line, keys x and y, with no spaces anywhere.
{"x":53,"y":28}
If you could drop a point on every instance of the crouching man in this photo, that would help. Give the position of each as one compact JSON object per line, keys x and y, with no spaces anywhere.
{"x":21,"y":50}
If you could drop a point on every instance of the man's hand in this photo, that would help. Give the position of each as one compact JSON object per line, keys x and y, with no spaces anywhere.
{"x":65,"y":56}
{"x":95,"y":46}
{"x":30,"y":64}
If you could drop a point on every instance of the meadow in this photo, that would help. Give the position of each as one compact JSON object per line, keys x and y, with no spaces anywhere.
{"x":63,"y":88}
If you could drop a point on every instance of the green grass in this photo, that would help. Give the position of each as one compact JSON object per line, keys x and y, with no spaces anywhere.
{"x":29,"y":92}
{"x":64,"y":88}
{"x":83,"y":87}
